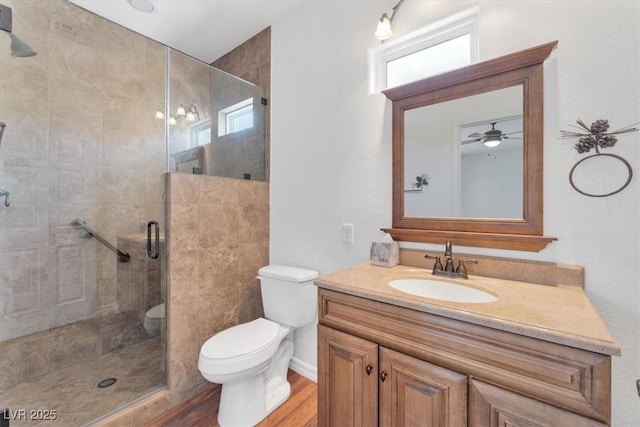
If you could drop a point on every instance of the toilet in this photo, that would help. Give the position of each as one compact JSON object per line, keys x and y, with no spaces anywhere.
{"x":153,"y":320}
{"x":251,"y":360}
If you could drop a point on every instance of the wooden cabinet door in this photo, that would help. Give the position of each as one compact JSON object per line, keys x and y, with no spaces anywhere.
{"x":347,"y":380}
{"x":417,"y":393}
{"x":491,"y":406}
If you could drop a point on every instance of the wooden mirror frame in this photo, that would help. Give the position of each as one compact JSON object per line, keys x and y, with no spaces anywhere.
{"x":521,"y":68}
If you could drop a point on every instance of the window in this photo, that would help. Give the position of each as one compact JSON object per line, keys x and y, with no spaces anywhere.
{"x":429,"y":61}
{"x":199,"y":133}
{"x":440,"y":47}
{"x":236,"y":117}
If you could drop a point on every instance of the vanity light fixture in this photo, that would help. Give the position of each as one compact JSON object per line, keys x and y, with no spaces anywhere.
{"x":192,"y":114}
{"x":189,"y":113}
{"x":383,"y":31}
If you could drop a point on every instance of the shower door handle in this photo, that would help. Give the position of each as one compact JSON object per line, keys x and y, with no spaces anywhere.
{"x":155,"y":252}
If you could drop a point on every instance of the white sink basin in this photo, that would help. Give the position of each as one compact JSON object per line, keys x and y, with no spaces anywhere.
{"x":444,"y":291}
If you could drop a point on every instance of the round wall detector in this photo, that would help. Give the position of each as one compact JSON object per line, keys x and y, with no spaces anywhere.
{"x":141,"y":5}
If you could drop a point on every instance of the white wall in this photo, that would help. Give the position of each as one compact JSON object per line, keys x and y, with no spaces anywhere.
{"x":430,"y":147}
{"x":331,"y":144}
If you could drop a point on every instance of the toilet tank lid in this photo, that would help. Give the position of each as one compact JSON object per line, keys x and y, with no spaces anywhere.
{"x":290,"y":274}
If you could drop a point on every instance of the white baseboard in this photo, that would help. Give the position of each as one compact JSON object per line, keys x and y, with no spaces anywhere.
{"x":304,"y":369}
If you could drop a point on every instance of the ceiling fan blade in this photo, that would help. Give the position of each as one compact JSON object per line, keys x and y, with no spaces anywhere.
{"x":510,"y":133}
{"x":476,"y":135}
{"x":509,"y":137}
{"x":469,"y":141}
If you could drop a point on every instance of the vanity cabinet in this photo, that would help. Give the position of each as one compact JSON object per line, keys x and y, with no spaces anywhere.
{"x":348,"y":391}
{"x":365,"y":384}
{"x":382,"y":364}
{"x":494,"y":406}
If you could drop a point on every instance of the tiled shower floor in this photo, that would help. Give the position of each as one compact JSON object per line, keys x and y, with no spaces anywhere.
{"x":73,"y":393}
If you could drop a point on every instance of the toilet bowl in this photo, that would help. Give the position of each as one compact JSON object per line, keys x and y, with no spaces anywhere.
{"x":153,"y":319}
{"x":238,"y":358}
{"x":251,"y":360}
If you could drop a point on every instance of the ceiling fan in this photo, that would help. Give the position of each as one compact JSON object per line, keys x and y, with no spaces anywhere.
{"x":491,"y":138}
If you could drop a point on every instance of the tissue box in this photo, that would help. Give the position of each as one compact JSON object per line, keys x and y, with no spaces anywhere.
{"x":385,"y":254}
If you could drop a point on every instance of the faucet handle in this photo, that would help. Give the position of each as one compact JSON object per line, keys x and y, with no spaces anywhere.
{"x":461,"y":269}
{"x":437,"y":266}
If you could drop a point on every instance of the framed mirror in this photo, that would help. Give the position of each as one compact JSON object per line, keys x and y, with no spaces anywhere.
{"x":467,"y":155}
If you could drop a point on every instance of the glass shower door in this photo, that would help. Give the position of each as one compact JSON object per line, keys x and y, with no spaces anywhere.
{"x":83,"y":159}
{"x":217,"y":122}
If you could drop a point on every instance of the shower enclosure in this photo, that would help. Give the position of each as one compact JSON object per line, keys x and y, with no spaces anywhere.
{"x":93,"y":122}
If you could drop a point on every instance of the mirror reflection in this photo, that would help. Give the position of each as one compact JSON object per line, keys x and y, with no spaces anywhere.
{"x":464,"y":157}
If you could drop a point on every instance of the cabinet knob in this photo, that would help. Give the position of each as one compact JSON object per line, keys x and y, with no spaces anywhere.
{"x":369,"y":369}
{"x":383,"y":376}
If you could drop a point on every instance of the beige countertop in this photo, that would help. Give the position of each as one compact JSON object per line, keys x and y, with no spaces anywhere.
{"x":558,"y":314}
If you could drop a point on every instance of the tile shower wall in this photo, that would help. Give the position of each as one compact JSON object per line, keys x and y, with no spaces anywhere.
{"x":218,"y":238}
{"x":80,"y":142}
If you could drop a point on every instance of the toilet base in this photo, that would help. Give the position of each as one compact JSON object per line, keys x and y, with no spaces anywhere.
{"x":242,"y":403}
{"x":247,"y":402}
{"x":277,"y":393}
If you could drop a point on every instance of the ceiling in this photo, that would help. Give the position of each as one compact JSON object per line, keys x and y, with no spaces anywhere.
{"x":204,"y":29}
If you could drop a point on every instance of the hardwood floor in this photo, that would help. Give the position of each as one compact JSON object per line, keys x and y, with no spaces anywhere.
{"x":300,"y":410}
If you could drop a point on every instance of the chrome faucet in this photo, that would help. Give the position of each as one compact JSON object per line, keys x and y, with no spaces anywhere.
{"x":448,"y":270}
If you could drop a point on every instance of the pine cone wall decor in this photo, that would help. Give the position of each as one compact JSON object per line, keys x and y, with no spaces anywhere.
{"x":595,"y":137}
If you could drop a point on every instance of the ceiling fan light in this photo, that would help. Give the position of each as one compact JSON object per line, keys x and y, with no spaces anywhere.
{"x":492,"y":141}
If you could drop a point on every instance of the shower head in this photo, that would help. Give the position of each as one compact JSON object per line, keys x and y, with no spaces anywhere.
{"x":18,"y":47}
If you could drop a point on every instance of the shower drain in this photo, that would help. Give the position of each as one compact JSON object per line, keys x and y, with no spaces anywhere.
{"x":107,"y":382}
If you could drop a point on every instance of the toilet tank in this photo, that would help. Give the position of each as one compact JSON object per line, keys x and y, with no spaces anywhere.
{"x":288,"y":294}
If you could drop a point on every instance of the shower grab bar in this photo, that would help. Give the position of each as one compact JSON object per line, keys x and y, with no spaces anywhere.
{"x":82,"y":223}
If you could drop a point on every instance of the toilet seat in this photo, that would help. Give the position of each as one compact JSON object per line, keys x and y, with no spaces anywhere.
{"x":241,"y":340}
{"x":241,"y":347}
